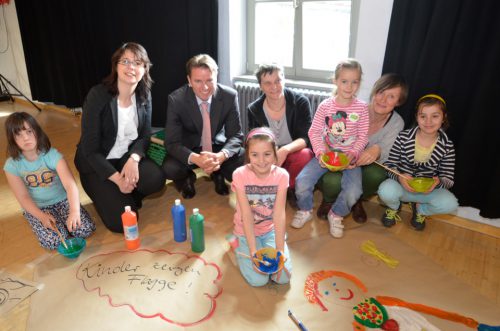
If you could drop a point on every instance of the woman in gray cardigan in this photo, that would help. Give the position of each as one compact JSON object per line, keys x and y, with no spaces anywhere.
{"x":388,"y":92}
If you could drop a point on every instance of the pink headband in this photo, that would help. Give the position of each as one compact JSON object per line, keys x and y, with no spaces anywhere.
{"x":260,"y":131}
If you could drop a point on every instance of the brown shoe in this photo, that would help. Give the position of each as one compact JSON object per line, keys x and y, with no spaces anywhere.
{"x":323,"y":209}
{"x":358,"y":213}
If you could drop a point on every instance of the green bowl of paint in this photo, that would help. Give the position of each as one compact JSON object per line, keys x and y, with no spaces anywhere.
{"x":421,"y":184}
{"x":75,"y":247}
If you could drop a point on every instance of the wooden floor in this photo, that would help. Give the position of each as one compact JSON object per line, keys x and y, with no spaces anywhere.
{"x":464,"y":248}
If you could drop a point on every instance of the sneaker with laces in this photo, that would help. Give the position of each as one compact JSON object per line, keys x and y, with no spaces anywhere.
{"x":417,"y":220}
{"x":301,"y":217}
{"x":390,"y":217}
{"x":336,"y":226}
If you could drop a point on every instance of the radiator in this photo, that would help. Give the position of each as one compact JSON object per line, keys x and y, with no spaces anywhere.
{"x":249,"y":91}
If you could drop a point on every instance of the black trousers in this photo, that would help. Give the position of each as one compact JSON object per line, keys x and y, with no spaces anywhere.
{"x":178,"y":171}
{"x":110,"y":202}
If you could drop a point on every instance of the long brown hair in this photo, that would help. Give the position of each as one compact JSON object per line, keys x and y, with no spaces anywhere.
{"x":144,"y":86}
{"x":15,"y":123}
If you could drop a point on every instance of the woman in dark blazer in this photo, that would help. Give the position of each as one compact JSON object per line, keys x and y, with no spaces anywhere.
{"x":288,"y":115}
{"x":116,"y":126}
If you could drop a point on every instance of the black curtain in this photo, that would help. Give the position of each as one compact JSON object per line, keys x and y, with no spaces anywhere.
{"x":452,"y":47}
{"x":68,"y":44}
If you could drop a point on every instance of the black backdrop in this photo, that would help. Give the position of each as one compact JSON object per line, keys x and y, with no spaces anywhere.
{"x":452,"y":47}
{"x":68,"y":44}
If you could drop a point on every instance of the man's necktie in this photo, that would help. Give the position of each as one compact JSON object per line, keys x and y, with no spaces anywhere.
{"x":206,"y":136}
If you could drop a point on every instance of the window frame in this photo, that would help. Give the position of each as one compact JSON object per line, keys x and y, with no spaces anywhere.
{"x":297,"y":72}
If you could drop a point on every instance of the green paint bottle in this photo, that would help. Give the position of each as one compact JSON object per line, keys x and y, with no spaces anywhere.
{"x":196,"y":225}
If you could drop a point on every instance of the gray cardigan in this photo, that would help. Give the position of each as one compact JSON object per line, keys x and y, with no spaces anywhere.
{"x":386,"y":136}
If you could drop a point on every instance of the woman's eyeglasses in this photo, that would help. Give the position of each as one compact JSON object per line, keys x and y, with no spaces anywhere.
{"x":128,"y":63}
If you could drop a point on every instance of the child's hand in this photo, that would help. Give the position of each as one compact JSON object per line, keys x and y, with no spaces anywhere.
{"x":403,"y":180}
{"x":351,"y":157}
{"x":255,"y":263}
{"x":74,"y":221}
{"x":281,"y":253}
{"x":47,"y":220}
{"x":322,"y":164}
{"x":436,"y":183}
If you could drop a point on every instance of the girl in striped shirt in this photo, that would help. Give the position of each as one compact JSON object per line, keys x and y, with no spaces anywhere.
{"x":424,"y":151}
{"x":340,"y":124}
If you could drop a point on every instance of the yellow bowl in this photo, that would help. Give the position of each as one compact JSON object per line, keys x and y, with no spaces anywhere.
{"x":270,"y":255}
{"x":421,"y":184}
{"x":343,"y":161}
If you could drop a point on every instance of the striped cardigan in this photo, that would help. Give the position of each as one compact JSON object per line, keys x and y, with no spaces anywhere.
{"x":441,"y":163}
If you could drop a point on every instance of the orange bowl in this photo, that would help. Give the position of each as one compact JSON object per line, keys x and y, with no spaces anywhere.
{"x":269,"y":254}
{"x":344,"y":162}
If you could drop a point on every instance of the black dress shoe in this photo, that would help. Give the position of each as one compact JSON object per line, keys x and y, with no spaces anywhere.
{"x":323,"y":209}
{"x":358,"y":212}
{"x":220,"y":184}
{"x":186,"y":186}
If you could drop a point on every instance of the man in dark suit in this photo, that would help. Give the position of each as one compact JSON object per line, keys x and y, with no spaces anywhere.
{"x":203,"y":129}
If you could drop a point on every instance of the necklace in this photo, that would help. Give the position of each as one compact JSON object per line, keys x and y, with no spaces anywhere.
{"x":268,"y":106}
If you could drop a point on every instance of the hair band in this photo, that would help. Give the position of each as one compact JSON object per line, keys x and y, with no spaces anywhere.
{"x":433,"y":96}
{"x":260,"y":131}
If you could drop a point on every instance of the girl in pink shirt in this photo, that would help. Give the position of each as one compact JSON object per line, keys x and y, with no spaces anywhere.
{"x":259,"y":221}
{"x":339,"y":124}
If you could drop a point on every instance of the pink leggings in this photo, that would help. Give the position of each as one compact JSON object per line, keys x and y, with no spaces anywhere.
{"x":295,"y":162}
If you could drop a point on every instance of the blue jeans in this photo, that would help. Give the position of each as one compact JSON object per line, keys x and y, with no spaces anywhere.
{"x":439,"y":201}
{"x":350,"y":185}
{"x":246,"y":266}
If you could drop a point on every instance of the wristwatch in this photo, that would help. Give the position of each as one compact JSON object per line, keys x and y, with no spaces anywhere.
{"x":135,"y":157}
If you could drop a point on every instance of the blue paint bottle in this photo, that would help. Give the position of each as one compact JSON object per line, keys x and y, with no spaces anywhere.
{"x":179,"y":219}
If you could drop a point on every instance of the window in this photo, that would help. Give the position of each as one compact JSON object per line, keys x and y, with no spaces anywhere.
{"x":308,"y":37}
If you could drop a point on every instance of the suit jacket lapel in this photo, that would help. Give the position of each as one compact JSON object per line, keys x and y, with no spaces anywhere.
{"x":193,"y":109}
{"x":141,"y":114}
{"x":215,"y":111}
{"x":114,"y":111}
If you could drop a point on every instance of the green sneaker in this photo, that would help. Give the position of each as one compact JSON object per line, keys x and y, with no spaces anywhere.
{"x":390,"y":217}
{"x":417,"y":220}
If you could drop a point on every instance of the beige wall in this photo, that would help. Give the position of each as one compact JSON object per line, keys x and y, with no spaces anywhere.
{"x":12,"y":61}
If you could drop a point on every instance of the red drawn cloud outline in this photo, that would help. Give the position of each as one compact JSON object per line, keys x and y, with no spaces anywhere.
{"x":160,"y":315}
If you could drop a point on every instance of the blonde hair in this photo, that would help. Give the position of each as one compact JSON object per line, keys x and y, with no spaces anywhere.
{"x":349,"y":63}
